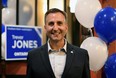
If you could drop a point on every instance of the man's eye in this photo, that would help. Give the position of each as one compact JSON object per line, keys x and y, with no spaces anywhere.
{"x":59,"y":23}
{"x":51,"y":23}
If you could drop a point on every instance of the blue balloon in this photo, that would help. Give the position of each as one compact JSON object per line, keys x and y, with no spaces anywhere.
{"x":4,"y":3}
{"x":110,"y":66}
{"x":3,"y":28}
{"x":105,"y":24}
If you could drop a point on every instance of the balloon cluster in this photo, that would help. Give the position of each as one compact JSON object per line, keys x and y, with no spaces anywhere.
{"x":8,"y":18}
{"x":90,"y":14}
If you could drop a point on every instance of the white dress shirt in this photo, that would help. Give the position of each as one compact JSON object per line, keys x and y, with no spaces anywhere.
{"x":57,"y":60}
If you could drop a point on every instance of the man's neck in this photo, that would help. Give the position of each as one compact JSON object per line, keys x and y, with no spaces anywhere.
{"x":56,"y":45}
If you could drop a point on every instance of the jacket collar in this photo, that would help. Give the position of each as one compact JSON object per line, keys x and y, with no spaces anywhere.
{"x":46,"y":61}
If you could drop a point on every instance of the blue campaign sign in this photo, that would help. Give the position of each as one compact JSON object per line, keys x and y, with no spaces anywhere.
{"x":21,"y":39}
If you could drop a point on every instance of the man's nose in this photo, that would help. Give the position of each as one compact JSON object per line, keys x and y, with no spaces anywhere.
{"x":55,"y":27}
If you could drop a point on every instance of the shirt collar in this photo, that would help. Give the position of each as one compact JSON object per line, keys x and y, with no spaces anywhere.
{"x":64,"y":47}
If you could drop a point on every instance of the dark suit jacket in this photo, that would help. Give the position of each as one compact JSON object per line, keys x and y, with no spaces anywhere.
{"x":77,"y":63}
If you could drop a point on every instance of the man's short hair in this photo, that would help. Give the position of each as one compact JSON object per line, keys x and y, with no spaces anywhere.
{"x":55,"y":10}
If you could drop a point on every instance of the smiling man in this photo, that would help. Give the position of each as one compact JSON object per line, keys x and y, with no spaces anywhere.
{"x":57,"y":58}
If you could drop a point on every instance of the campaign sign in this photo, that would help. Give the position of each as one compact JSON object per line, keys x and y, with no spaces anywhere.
{"x":21,"y":39}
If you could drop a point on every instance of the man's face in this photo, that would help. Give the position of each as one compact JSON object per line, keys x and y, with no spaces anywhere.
{"x":56,"y":27}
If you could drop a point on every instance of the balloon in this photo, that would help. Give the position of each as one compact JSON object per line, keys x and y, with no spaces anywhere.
{"x":4,"y":3}
{"x":86,"y":10}
{"x":110,"y":66}
{"x":25,"y":12}
{"x":97,"y":50}
{"x":3,"y":45}
{"x":8,"y":16}
{"x":105,"y":24}
{"x":11,"y":4}
{"x":3,"y":28}
{"x":3,"y":41}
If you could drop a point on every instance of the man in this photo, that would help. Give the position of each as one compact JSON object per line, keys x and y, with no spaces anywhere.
{"x":57,"y":58}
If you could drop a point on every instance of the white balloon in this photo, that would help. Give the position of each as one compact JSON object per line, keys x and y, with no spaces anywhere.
{"x":86,"y":10}
{"x":9,"y":16}
{"x":11,"y":4}
{"x":97,"y":50}
{"x":25,"y":12}
{"x":3,"y":45}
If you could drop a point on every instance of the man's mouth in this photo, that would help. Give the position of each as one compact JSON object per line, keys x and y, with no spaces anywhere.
{"x":55,"y":33}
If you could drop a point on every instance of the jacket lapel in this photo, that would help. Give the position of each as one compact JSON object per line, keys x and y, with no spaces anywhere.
{"x":69,"y":59}
{"x":45,"y":59}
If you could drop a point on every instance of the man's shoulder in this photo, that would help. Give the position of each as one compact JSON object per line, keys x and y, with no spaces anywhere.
{"x":76,"y":48}
{"x":38,"y":49}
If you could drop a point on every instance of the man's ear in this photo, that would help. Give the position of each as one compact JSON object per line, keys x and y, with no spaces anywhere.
{"x":66,"y":27}
{"x":44,"y":26}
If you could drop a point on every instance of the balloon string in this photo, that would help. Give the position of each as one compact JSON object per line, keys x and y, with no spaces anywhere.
{"x":91,"y":33}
